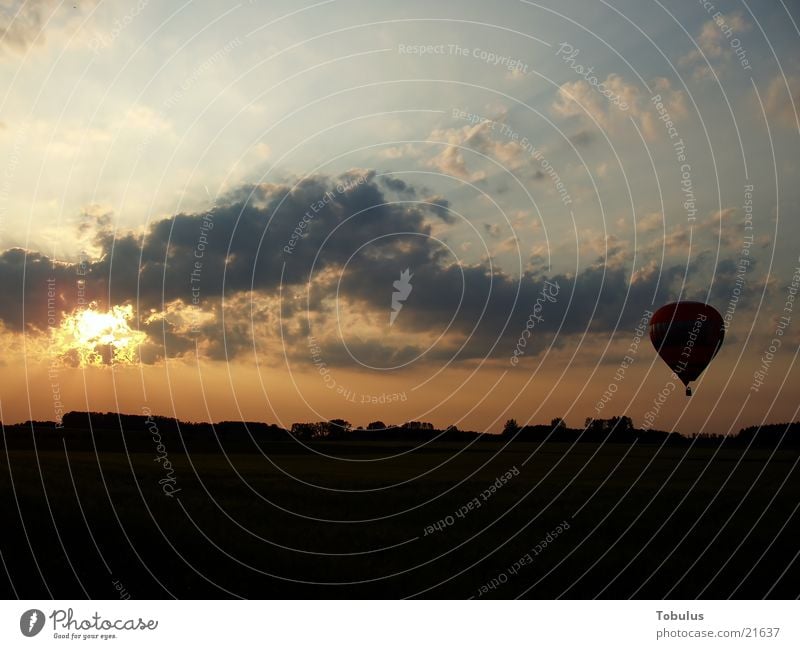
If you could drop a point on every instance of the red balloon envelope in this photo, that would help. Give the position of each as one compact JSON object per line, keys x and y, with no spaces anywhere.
{"x":687,"y":335}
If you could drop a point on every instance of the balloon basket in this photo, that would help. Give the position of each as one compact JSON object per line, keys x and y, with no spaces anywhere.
{"x":688,"y":391}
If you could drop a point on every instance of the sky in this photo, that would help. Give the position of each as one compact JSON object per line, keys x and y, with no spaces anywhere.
{"x":449,"y":212}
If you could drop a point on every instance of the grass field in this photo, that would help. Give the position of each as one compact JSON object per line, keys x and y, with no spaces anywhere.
{"x":350,"y":521}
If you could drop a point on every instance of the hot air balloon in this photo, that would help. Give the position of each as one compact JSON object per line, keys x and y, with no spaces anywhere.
{"x":687,"y":336}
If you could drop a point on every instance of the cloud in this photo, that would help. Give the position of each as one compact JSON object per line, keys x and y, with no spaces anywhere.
{"x":259,"y":284}
{"x":21,"y":22}
{"x":782,"y":100}
{"x":484,"y":309}
{"x":713,"y":44}
{"x":143,"y":118}
{"x":456,"y":140}
{"x":675,"y":100}
{"x":485,"y":137}
{"x":398,"y":186}
{"x":584,"y":137}
{"x":94,"y":218}
{"x":650,"y":222}
{"x":262,"y":151}
{"x":581,"y":101}
{"x":27,"y":276}
{"x":238,"y":246}
{"x":492,"y":229}
{"x":721,"y":224}
{"x":24,"y":21}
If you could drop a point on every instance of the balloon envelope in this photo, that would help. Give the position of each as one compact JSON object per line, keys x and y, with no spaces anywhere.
{"x":687,"y":335}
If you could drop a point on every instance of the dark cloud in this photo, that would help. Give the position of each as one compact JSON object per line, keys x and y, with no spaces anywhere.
{"x":331,"y":247}
{"x":487,"y":311}
{"x":398,"y":186}
{"x":254,"y":239}
{"x":583,"y":138}
{"x":34,"y":284}
{"x":492,"y":229}
{"x":243,"y":245}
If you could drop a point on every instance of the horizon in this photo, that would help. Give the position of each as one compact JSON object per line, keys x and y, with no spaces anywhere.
{"x":355,"y":426}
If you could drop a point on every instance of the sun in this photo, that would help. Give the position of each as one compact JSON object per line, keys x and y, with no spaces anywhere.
{"x":90,"y":337}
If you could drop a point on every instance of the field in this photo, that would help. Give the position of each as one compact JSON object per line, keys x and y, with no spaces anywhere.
{"x":379,"y":520}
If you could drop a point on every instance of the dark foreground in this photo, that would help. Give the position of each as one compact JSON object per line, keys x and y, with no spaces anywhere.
{"x":641,"y":521}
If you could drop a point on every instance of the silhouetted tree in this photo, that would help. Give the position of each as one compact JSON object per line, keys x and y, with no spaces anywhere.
{"x":418,"y":425}
{"x":620,"y":424}
{"x":594,"y":428}
{"x":376,"y":425}
{"x":305,"y":430}
{"x":511,"y":427}
{"x":321,"y":429}
{"x":335,"y":428}
{"x":786,"y":434}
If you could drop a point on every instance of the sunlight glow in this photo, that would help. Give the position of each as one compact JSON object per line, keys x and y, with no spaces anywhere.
{"x":91,"y":338}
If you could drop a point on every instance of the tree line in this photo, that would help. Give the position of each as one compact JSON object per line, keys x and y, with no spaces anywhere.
{"x":619,"y":429}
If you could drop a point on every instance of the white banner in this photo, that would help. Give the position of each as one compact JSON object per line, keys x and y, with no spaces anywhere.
{"x":392,"y":624}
